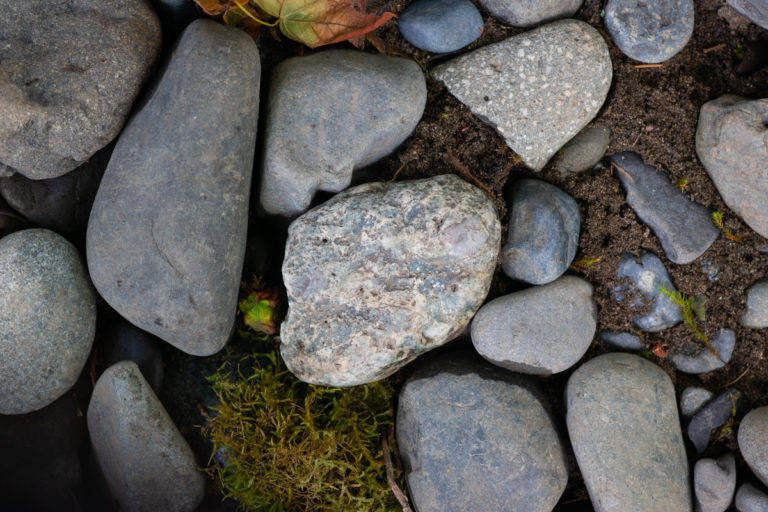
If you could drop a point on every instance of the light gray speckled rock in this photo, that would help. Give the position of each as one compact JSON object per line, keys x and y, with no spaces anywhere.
{"x":751,"y":499}
{"x":543,"y":232}
{"x":583,"y":151}
{"x":756,"y":315}
{"x":714,"y":482}
{"x":145,"y":460}
{"x":167,"y":232}
{"x":475,"y":436}
{"x":625,"y":432}
{"x":697,"y":358}
{"x":47,"y":319}
{"x":512,"y":332}
{"x":440,"y":25}
{"x":331,"y":113}
{"x":526,"y":13}
{"x":730,"y":142}
{"x":713,"y":415}
{"x":71,"y":71}
{"x":647,"y":275}
{"x":622,"y":340}
{"x":753,"y":432}
{"x":693,"y":399}
{"x":538,"y":89}
{"x":755,"y":11}
{"x":383,"y":272}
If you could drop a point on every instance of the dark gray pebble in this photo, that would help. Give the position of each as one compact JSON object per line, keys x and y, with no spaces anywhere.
{"x":713,"y":415}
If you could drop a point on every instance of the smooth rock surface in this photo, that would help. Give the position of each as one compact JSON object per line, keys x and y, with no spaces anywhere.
{"x":383,"y":272}
{"x":652,"y":31}
{"x":697,"y":358}
{"x":632,"y":457}
{"x":753,"y":431}
{"x":440,"y":26}
{"x":730,"y":142}
{"x":693,"y":399}
{"x":126,"y":342}
{"x":755,"y":11}
{"x":525,"y":13}
{"x":714,"y":483}
{"x":684,"y":228}
{"x":146,"y":461}
{"x":751,"y":499}
{"x":47,"y":319}
{"x":166,"y":236}
{"x":713,"y":415}
{"x":583,"y":151}
{"x":756,"y":315}
{"x":512,"y":332}
{"x":471,"y":436}
{"x":71,"y":71}
{"x":538,"y":89}
{"x":331,"y":113}
{"x":621,"y":340}
{"x":543,"y":232}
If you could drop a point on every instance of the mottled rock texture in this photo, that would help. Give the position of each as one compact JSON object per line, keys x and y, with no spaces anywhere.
{"x":525,"y":13}
{"x":755,"y":11}
{"x":751,"y":499}
{"x":647,"y":276}
{"x":697,"y":357}
{"x":440,"y":25}
{"x":693,"y":399}
{"x":756,"y":315}
{"x":753,"y":431}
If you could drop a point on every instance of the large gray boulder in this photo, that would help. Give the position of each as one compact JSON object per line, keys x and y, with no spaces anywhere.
{"x":166,"y":237}
{"x":71,"y":70}
{"x":382,"y":273}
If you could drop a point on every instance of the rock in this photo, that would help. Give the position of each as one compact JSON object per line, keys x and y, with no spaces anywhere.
{"x":584,"y":151}
{"x":331,"y":113}
{"x":71,"y":71}
{"x":526,"y":13}
{"x":693,"y":399}
{"x":48,"y":319}
{"x":684,"y":228}
{"x":174,"y":16}
{"x":621,"y":340}
{"x":472,"y":434}
{"x":440,"y":26}
{"x":511,"y":331}
{"x":753,"y":431}
{"x":647,"y":277}
{"x":166,"y":236}
{"x":713,"y":415}
{"x":730,"y":144}
{"x":538,"y":89}
{"x":755,"y":11}
{"x":146,"y":461}
{"x":710,"y":267}
{"x":625,"y":432}
{"x":697,"y":358}
{"x":756,"y":315}
{"x":383,"y":272}
{"x":543,"y":232}
{"x":649,"y":31}
{"x":714,"y":482}
{"x":751,"y":499}
{"x":736,"y":22}
{"x":125,"y":342}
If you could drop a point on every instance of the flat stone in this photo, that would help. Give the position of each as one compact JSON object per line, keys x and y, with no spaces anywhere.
{"x":753,"y":431}
{"x":472,"y":434}
{"x":166,"y":236}
{"x":126,"y":342}
{"x":625,"y":432}
{"x":622,"y":340}
{"x":543,"y":232}
{"x":382,"y":273}
{"x":713,"y":415}
{"x":440,"y":26}
{"x":331,"y":113}
{"x":512,"y":333}
{"x":697,"y":358}
{"x":730,"y":144}
{"x":144,"y":458}
{"x":526,"y":13}
{"x":751,"y":499}
{"x":684,"y":228}
{"x":755,"y":11}
{"x":756,"y":315}
{"x":47,"y":319}
{"x":714,"y":483}
{"x":584,"y":151}
{"x":538,"y":89}
{"x":693,"y":399}
{"x":71,"y":71}
{"x":649,"y":31}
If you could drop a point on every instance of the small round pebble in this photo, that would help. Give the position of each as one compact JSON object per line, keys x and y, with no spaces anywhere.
{"x":441,"y":26}
{"x":751,"y":499}
{"x":693,"y":399}
{"x":714,"y":482}
{"x":713,"y":415}
{"x":621,"y":340}
{"x":756,"y":315}
{"x":584,"y":151}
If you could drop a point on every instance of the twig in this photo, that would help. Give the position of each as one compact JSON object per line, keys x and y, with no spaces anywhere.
{"x":464,"y":171}
{"x":400,"y":495}
{"x":713,"y":48}
{"x":644,"y":66}
{"x":637,"y":139}
{"x":737,"y":379}
{"x":625,"y":173}
{"x":397,"y":172}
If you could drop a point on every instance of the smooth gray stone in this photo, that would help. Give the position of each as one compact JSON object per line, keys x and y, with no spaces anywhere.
{"x":753,"y":431}
{"x":730,"y":142}
{"x":144,"y":458}
{"x":751,"y":499}
{"x":71,"y":71}
{"x":697,"y":358}
{"x":583,"y":151}
{"x":647,"y":276}
{"x":126,"y":342}
{"x":684,"y":228}
{"x":755,"y":11}
{"x":512,"y":332}
{"x":329,"y":114}
{"x":625,"y":432}
{"x":713,"y":415}
{"x":621,"y":340}
{"x":47,"y":319}
{"x":476,"y":437}
{"x":167,"y":232}
{"x":756,"y":315}
{"x":382,"y":273}
{"x":537,"y":89}
{"x":714,"y":483}
{"x":440,"y":26}
{"x":543,"y":232}
{"x":693,"y":399}
{"x":526,"y":13}
{"x":649,"y":31}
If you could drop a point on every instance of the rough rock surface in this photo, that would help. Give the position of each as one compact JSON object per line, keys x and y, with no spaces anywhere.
{"x":331,"y":113}
{"x":71,"y":71}
{"x":622,"y":340}
{"x":525,"y":13}
{"x":751,"y":499}
{"x":166,"y":237}
{"x":538,"y":89}
{"x":730,"y":142}
{"x":632,"y":457}
{"x":693,"y":399}
{"x":697,"y":358}
{"x":47,"y":319}
{"x":714,"y":482}
{"x":512,"y":332}
{"x":753,"y":431}
{"x":145,"y":460}
{"x":583,"y":151}
{"x":383,"y":272}
{"x":713,"y":415}
{"x":471,"y":434}
{"x":755,"y":11}
{"x":756,"y":315}
{"x":440,"y":26}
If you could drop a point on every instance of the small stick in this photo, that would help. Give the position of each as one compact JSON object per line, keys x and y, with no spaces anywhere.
{"x":465,"y":171}
{"x":737,"y":379}
{"x":625,"y":173}
{"x":713,"y":48}
{"x":637,"y":139}
{"x":644,"y":66}
{"x":401,"y":497}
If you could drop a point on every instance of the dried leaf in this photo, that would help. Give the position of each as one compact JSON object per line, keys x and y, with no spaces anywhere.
{"x":240,"y":14}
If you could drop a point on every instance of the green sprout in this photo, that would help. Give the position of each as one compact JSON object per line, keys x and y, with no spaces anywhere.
{"x":692,"y":308}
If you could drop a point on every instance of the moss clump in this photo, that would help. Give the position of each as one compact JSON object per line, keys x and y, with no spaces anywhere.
{"x":292,"y":446}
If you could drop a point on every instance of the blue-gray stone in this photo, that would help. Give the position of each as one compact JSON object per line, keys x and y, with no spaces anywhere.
{"x":755,"y":11}
{"x":477,"y":437}
{"x":756,"y":315}
{"x":684,"y":228}
{"x":646,"y":277}
{"x":583,"y":151}
{"x":543,"y":232}
{"x":126,"y":342}
{"x":649,"y":31}
{"x":693,"y":399}
{"x":753,"y":431}
{"x":526,"y":13}
{"x":709,"y":266}
{"x":714,"y":483}
{"x":622,"y":340}
{"x":751,"y":499}
{"x":713,"y":415}
{"x":698,"y":358}
{"x":440,"y":26}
